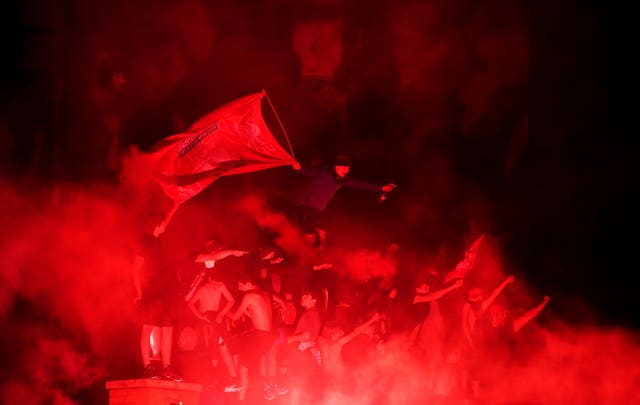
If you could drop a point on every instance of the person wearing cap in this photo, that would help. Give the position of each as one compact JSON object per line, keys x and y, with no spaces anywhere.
{"x":323,"y":184}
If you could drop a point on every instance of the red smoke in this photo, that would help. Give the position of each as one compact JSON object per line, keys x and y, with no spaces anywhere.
{"x":67,"y":251}
{"x":65,"y":283}
{"x":364,"y":264}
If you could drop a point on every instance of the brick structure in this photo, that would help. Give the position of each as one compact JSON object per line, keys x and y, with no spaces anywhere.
{"x":153,"y":392}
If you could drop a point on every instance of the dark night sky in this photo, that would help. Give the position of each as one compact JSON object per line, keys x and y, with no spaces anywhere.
{"x":585,"y":155}
{"x":412,"y":75}
{"x":567,"y":201}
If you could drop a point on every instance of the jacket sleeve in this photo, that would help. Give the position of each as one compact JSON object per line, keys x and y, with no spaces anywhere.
{"x":361,"y":184}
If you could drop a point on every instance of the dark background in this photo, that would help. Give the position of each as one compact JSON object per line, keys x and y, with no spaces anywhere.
{"x":563,"y":211}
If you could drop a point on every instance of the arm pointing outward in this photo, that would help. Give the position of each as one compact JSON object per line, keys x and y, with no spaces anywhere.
{"x":494,"y":294}
{"x":436,"y":294}
{"x":210,"y":258}
{"x":359,"y":329}
{"x":530,"y":314}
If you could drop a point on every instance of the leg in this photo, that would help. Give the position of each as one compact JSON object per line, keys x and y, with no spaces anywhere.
{"x":464,"y":380}
{"x":154,"y":341}
{"x":264,"y":372}
{"x":165,"y":351}
{"x":225,"y":355}
{"x":145,"y":344}
{"x":166,"y":345}
{"x":308,"y":219}
{"x":475,"y":388}
{"x":244,"y":380}
{"x":322,"y":237}
{"x":272,"y":363}
{"x":207,"y":332}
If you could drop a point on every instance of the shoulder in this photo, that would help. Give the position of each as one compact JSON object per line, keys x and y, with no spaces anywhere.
{"x":253,"y":296}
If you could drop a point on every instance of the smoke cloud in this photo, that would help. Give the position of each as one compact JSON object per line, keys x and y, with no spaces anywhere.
{"x":432,"y":96}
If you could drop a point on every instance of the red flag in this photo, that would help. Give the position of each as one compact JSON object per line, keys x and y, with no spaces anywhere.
{"x":232,"y":139}
{"x":466,"y":264}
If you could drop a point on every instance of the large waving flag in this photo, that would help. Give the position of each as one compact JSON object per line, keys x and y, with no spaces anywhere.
{"x":233,"y":139}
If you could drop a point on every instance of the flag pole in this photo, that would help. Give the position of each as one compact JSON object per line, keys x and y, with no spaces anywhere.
{"x":279,"y":122}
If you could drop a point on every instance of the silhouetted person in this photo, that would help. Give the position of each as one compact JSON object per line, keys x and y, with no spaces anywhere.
{"x":323,"y":183}
{"x":494,"y":337}
{"x":156,"y":287}
{"x":304,"y":357}
{"x":428,"y":335}
{"x":334,"y":338}
{"x":253,"y":345}
{"x":473,"y":309}
{"x":205,"y":304}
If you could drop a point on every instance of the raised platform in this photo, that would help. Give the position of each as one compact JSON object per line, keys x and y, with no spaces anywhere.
{"x":153,"y":392}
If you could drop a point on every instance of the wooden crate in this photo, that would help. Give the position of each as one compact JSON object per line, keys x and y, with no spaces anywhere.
{"x":153,"y":392}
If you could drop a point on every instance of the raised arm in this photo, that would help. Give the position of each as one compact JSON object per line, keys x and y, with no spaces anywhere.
{"x":162,"y":226}
{"x":437,"y":294}
{"x":388,"y":187}
{"x":529,"y":315}
{"x":494,"y":294}
{"x":322,"y":266}
{"x":359,"y":329}
{"x":362,"y":184}
{"x":219,"y":255}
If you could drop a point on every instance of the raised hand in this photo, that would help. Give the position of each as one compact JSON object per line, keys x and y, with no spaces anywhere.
{"x":388,"y":187}
{"x":323,"y":266}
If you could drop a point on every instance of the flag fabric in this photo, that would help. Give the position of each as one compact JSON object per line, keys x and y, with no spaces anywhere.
{"x":233,"y":139}
{"x":466,"y":264}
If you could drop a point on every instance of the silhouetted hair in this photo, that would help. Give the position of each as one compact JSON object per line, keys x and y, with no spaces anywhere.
{"x":247,"y":277}
{"x":315,"y":294}
{"x":342,"y":160}
{"x":426,"y":278}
